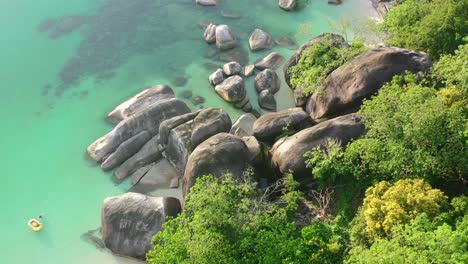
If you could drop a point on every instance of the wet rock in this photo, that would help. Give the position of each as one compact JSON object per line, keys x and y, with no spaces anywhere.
{"x":288,"y":153}
{"x":209,"y":66}
{"x":285,"y":42}
{"x":271,"y":61}
{"x":150,"y":152}
{"x":225,"y":38}
{"x":287,"y":5}
{"x":269,"y":126}
{"x":130,"y":221}
{"x":148,"y":119}
{"x":198,"y":100}
{"x":249,"y":70}
{"x":232,"y":68}
{"x":238,"y":54}
{"x":207,"y":2}
{"x":243,"y":126}
{"x":139,"y":102}
{"x":255,"y":150}
{"x":217,"y":155}
{"x":216,"y":77}
{"x":266,"y":100}
{"x":345,"y":88}
{"x":260,"y":40}
{"x":186,"y":94}
{"x":267,"y":80}
{"x":232,"y":89}
{"x":210,"y":33}
{"x":126,"y":150}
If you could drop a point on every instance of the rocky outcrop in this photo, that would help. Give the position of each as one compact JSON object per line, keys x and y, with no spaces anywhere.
{"x":149,"y":153}
{"x":126,"y":150}
{"x":287,"y":5}
{"x":232,"y":89}
{"x":217,"y":155}
{"x":232,"y":68}
{"x":225,"y":38}
{"x":270,"y":61}
{"x":288,"y":153}
{"x":267,"y":80}
{"x":180,"y":135}
{"x":267,"y":100}
{"x":148,"y":119}
{"x":345,"y":88}
{"x":130,"y":221}
{"x":260,"y":40}
{"x":139,"y":102}
{"x":216,"y":77}
{"x":337,"y":41}
{"x":207,"y":2}
{"x":210,"y":33}
{"x":269,"y":126}
{"x":255,"y":150}
{"x":244,"y":125}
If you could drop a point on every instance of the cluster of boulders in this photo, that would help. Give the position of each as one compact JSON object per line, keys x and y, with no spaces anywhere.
{"x":221,"y":35}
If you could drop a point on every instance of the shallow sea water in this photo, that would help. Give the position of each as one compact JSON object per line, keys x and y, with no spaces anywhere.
{"x":58,"y":85}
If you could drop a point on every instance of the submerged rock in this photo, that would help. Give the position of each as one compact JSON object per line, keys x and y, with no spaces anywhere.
{"x":260,"y":40}
{"x":285,"y":42}
{"x":269,"y":126}
{"x":130,"y":221}
{"x":139,"y":102}
{"x":231,"y":14}
{"x":149,"y":119}
{"x":232,"y":89}
{"x":288,"y":153}
{"x":345,"y":88}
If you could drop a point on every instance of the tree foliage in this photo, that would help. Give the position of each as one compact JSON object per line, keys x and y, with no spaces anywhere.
{"x":434,"y":26}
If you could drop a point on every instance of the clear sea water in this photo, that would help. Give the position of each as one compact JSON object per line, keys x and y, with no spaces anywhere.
{"x":57,"y":86}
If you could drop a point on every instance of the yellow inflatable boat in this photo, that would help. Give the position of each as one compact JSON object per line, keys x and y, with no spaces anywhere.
{"x":35,"y":225}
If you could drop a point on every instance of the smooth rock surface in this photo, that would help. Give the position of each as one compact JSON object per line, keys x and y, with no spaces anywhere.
{"x":126,"y":150}
{"x":148,"y":119}
{"x":232,"y":89}
{"x":260,"y":40}
{"x":171,"y":123}
{"x":270,"y":61}
{"x":216,"y":77}
{"x":219,"y":154}
{"x":210,"y":33}
{"x":130,"y":221}
{"x":209,"y":122}
{"x":288,"y":153}
{"x":287,"y":5}
{"x":345,"y":88}
{"x":266,"y":100}
{"x":267,"y":80}
{"x":255,"y":150}
{"x":232,"y":68}
{"x":269,"y":126}
{"x":139,"y":102}
{"x":207,"y":2}
{"x":243,"y":125}
{"x":249,"y":70}
{"x":160,"y":174}
{"x":225,"y":38}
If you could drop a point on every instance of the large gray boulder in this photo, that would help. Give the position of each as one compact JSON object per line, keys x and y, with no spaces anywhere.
{"x":299,"y":96}
{"x":150,"y":152}
{"x":209,"y":122}
{"x":232,"y":89}
{"x":266,"y":100}
{"x":126,"y":150}
{"x":130,"y":221}
{"x":255,"y":150}
{"x":168,"y":125}
{"x":178,"y":146}
{"x":269,"y":126}
{"x":260,"y":40}
{"x":345,"y":88}
{"x":148,"y":119}
{"x":287,"y":5}
{"x":139,"y":102}
{"x":288,"y":153}
{"x":219,"y":154}
{"x":210,"y":33}
{"x":225,"y":38}
{"x":244,"y":125}
{"x":207,"y":2}
{"x":267,"y":80}
{"x":270,"y":61}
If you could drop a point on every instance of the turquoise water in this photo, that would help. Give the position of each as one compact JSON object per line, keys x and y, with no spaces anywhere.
{"x":57,"y":88}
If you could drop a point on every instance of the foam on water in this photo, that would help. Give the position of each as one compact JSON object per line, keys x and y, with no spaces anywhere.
{"x":43,"y":136}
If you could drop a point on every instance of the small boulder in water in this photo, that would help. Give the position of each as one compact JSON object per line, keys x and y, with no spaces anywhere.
{"x":232,"y":68}
{"x":225,"y":38}
{"x":216,"y":77}
{"x":287,"y":5}
{"x":232,"y":89}
{"x":260,"y":40}
{"x":207,"y":2}
{"x":210,"y":33}
{"x":266,"y":100}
